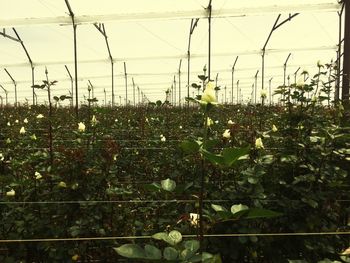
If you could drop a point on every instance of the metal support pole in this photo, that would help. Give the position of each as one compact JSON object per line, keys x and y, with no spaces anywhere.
{"x":133,"y":91}
{"x":6,"y":94}
{"x":104,"y":91}
{"x":275,"y":26}
{"x":126,"y":85}
{"x":71,"y":83}
{"x":284,"y":73}
{"x":337,"y":87}
{"x":270,"y":94}
{"x":256,"y":85}
{"x":71,"y":14}
{"x":232,"y":78}
{"x":29,"y":59}
{"x":346,"y":56}
{"x":15,"y":84}
{"x":138,"y":95}
{"x":209,"y":8}
{"x":295,"y":75}
{"x":194,"y":23}
{"x":285,"y":70}
{"x":238,"y":92}
{"x":174,"y":90}
{"x":225,"y":95}
{"x":262,"y":69}
{"x":179,"y":72}
{"x":102,"y":30}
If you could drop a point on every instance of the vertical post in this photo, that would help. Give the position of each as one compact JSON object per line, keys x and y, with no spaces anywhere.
{"x":192,"y":27}
{"x":112,"y":69}
{"x":209,"y":8}
{"x":225,"y":94}
{"x":180,"y":82}
{"x":270,"y":94}
{"x":126,"y":84}
{"x":238,"y":93}
{"x":232,"y":78}
{"x":29,"y":59}
{"x":71,"y":83}
{"x":256,"y":85}
{"x":6,"y":94}
{"x":285,"y":69}
{"x":174,"y":90}
{"x":32,"y":67}
{"x":337,"y":87}
{"x":133,"y":90}
{"x":284,"y":74}
{"x":104,"y":91}
{"x":295,"y":75}
{"x":346,"y":56}
{"x":138,"y":95}
{"x":71,"y":14}
{"x":172,"y":94}
{"x":15,"y":85}
{"x":262,"y":69}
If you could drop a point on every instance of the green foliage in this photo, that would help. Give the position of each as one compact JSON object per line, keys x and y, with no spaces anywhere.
{"x":297,"y":183}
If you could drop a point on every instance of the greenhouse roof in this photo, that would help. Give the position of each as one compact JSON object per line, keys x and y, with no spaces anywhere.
{"x":151,"y":37}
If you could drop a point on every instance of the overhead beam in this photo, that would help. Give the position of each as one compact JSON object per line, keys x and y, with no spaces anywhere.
{"x":171,"y":15}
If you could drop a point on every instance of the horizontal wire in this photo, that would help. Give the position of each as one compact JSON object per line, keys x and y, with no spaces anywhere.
{"x":148,"y":201}
{"x":184,"y":236}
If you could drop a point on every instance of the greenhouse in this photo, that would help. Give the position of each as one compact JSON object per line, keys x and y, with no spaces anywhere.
{"x":175,"y":131}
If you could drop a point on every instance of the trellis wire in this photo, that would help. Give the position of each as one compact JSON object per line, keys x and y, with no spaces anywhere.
{"x":147,"y":201}
{"x":184,"y":236}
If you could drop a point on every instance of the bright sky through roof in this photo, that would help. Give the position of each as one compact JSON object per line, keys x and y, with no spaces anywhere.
{"x":152,"y":48}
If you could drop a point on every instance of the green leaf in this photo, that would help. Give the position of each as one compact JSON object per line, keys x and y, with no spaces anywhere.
{"x":153,"y":252}
{"x":168,"y":185}
{"x":231,"y":155}
{"x":218,"y":208}
{"x":186,"y":254}
{"x":192,"y":245}
{"x":202,"y":77}
{"x":210,"y":144}
{"x":213,"y":158}
{"x":237,"y":208}
{"x":170,"y":253}
{"x":175,"y":237}
{"x":213,"y":259}
{"x":190,"y":147}
{"x":160,"y":236}
{"x":153,"y":187}
{"x":310,"y":202}
{"x":130,"y":251}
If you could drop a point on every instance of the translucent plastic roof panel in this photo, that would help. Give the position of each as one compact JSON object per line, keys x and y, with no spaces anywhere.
{"x":151,"y":37}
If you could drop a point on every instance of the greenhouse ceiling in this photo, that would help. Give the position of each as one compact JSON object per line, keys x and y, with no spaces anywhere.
{"x":151,"y":37}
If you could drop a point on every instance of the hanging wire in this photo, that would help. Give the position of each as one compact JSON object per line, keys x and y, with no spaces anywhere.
{"x":160,"y":38}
